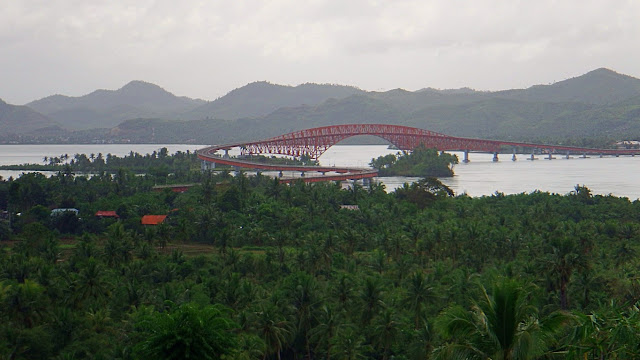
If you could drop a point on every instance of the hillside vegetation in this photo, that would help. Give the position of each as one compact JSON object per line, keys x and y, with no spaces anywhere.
{"x":107,"y":108}
{"x":566,"y":112}
{"x":22,"y":119}
{"x":601,"y":105}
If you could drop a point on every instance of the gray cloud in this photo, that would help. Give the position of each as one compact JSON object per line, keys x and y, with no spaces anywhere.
{"x":206,"y":48}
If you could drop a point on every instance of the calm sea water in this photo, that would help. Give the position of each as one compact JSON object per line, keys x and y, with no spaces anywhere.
{"x":481,"y":176}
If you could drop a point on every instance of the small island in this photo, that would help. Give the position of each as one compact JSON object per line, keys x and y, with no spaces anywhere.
{"x":421,"y":162}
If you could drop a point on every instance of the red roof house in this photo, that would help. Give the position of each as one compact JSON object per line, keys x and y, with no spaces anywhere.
{"x":104,"y":214}
{"x":153,"y":219}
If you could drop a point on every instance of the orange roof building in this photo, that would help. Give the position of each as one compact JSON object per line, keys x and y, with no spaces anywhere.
{"x":104,"y":214}
{"x":153,"y":219}
{"x":175,"y":188}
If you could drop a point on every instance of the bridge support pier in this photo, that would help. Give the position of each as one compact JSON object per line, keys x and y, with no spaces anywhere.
{"x":466,"y":157}
{"x":568,"y":157}
{"x":514,"y":158}
{"x":495,"y":156}
{"x":550,"y":157}
{"x":280,"y":174}
{"x":366,"y":182}
{"x":206,"y":165}
{"x":601,"y":155}
{"x":226,"y":154}
{"x":584,"y":155}
{"x":302,"y":174}
{"x":533,"y":155}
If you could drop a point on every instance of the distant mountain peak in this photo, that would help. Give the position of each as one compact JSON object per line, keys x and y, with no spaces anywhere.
{"x":600,"y":86}
{"x":107,"y":108}
{"x":602,"y":70}
{"x":137,"y":86}
{"x":605,"y":72}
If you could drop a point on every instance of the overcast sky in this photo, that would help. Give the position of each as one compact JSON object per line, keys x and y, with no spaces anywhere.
{"x":205,"y":49}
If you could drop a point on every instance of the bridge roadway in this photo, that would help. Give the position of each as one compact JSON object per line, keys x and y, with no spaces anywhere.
{"x":314,"y":142}
{"x":335,"y":173}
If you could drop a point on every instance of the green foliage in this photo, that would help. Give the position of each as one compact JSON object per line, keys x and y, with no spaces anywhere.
{"x":186,"y":332}
{"x":281,"y":271}
{"x":424,"y":191}
{"x":421,"y":162}
{"x":157,"y":164}
{"x":502,"y":324}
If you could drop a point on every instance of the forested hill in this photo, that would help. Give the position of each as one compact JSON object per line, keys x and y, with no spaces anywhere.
{"x":16,"y":120}
{"x":262,"y":98}
{"x":107,"y":108}
{"x":601,"y":104}
{"x":601,"y":86}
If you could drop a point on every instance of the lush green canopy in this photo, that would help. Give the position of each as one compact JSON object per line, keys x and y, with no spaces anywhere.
{"x":254,"y":269}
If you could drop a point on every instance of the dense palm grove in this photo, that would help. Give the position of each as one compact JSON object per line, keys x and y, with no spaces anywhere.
{"x":283,"y":272}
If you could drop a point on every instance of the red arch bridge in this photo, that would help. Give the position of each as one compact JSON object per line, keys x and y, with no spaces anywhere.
{"x":314,"y":142}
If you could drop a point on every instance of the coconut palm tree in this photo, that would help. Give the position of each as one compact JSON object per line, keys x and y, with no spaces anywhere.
{"x":386,"y":330}
{"x":322,"y":335}
{"x":501,"y":325}
{"x":349,"y":345}
{"x":90,"y":283}
{"x":187,"y":332}
{"x":371,"y":299}
{"x":563,"y":260}
{"x":418,"y":293}
{"x":273,"y":329}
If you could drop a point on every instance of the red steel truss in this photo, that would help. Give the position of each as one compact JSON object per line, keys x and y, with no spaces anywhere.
{"x":314,"y":142}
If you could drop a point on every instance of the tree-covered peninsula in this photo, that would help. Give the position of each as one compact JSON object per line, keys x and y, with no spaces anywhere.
{"x":421,"y":162}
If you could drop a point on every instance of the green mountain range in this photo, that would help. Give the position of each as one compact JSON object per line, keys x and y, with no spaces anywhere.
{"x":108,"y":108}
{"x":600,"y":104}
{"x":20,"y":120}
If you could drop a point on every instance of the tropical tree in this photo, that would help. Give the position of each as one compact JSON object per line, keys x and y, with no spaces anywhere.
{"x":349,"y":345}
{"x":90,"y":283}
{"x":386,"y":330}
{"x":371,"y":299}
{"x":273,"y":328}
{"x":562,"y":261}
{"x":501,"y":325}
{"x":186,"y":332}
{"x":417,"y":294}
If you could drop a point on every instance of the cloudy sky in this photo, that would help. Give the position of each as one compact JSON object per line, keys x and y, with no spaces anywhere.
{"x":204,"y":49}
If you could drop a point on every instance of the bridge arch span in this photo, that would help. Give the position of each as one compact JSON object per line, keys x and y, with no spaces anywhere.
{"x":314,"y":142}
